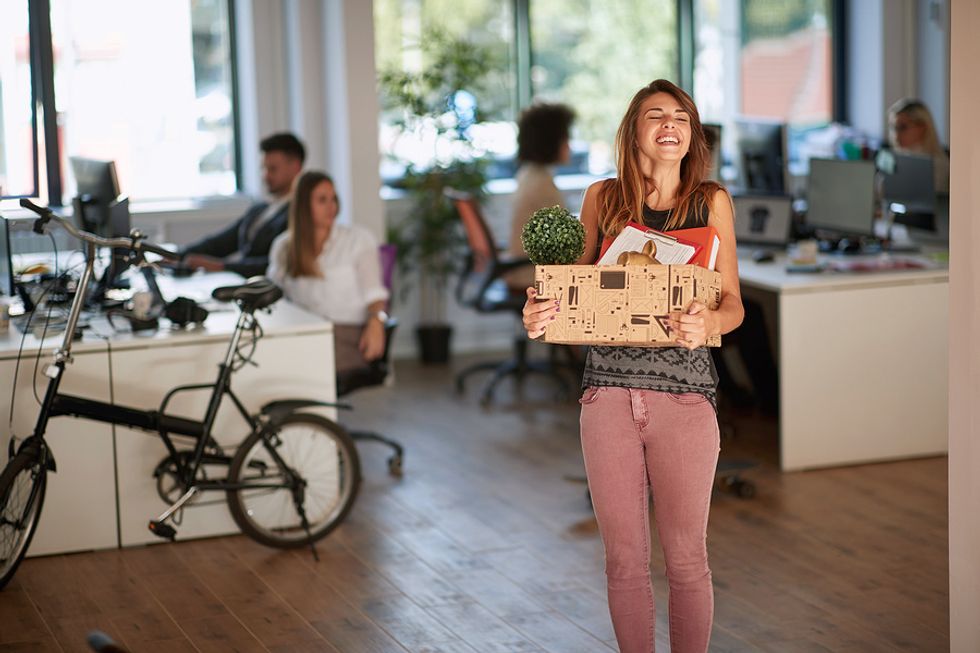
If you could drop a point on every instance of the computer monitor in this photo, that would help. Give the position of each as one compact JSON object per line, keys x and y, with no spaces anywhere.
{"x":841,"y":196}
{"x":763,"y":219}
{"x":95,"y":178}
{"x":6,"y":262}
{"x":909,"y":188}
{"x":761,"y":155}
{"x":97,"y":188}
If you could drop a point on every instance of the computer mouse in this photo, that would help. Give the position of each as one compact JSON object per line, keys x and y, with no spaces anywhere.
{"x":763,"y":256}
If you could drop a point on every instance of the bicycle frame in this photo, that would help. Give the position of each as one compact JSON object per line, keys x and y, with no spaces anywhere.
{"x":56,"y":404}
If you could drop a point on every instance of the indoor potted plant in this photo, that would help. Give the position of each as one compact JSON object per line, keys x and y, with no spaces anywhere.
{"x":553,"y":236}
{"x":439,"y":101}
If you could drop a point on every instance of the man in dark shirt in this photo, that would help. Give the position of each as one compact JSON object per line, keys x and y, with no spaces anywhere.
{"x":243,"y":246}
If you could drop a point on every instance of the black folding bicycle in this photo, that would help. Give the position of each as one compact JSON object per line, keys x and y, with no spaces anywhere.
{"x":290,"y":482}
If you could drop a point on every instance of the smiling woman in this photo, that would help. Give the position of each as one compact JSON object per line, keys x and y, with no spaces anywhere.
{"x":648,"y":413}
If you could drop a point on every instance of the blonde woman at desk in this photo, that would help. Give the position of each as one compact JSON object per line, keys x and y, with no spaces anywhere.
{"x":648,"y":416}
{"x":332,"y":270}
{"x":911,"y":130}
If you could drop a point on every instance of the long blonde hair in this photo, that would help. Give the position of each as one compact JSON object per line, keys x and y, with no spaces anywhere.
{"x":918,"y":112}
{"x":300,"y":247}
{"x":622,"y":199}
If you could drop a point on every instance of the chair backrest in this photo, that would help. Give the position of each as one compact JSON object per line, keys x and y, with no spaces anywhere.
{"x":388,"y":254}
{"x":482,"y":247}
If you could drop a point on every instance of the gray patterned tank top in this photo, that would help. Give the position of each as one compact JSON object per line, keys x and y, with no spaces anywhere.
{"x":666,"y":369}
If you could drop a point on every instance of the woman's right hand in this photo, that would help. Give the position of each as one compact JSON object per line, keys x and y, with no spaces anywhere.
{"x":538,"y":313}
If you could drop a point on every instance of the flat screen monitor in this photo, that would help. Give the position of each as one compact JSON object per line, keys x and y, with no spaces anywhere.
{"x":841,"y":196}
{"x":95,"y":178}
{"x":763,"y":219}
{"x":97,"y":188}
{"x":761,"y":155}
{"x":6,"y":262}
{"x":908,"y":180}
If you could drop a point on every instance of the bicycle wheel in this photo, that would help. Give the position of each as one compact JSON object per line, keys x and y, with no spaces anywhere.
{"x":22,"y":486}
{"x":308,"y":465}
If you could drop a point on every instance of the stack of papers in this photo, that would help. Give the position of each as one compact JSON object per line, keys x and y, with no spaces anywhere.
{"x":698,"y":246}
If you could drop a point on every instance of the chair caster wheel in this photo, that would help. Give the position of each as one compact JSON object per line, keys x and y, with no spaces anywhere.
{"x":395,"y":466}
{"x":740,"y":488}
{"x":744,"y":489}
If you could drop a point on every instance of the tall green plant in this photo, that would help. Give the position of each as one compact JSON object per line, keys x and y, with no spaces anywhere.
{"x":439,"y":99}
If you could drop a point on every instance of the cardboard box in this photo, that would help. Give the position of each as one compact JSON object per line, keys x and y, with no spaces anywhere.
{"x":623,"y":304}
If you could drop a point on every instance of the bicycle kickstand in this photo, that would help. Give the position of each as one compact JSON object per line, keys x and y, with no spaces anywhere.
{"x":306,"y":527}
{"x":159,"y":527}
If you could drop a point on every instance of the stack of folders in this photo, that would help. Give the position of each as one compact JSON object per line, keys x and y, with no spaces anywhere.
{"x":698,"y":246}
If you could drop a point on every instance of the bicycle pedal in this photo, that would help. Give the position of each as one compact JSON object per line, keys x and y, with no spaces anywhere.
{"x":161,"y":529}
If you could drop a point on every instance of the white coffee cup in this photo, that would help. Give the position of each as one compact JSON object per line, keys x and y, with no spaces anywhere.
{"x":142,"y":303}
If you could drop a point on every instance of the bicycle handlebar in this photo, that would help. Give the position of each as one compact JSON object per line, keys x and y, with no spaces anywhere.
{"x":134,"y":242}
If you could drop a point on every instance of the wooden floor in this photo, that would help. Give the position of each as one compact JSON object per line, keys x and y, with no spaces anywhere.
{"x":489,"y":545}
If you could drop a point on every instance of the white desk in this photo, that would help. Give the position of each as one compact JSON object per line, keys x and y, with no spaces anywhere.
{"x":862,"y":360}
{"x":103,"y":493}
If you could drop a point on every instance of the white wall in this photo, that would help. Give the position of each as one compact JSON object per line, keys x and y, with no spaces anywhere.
{"x":964,"y":325}
{"x":932,"y":73}
{"x":865,"y":54}
{"x":307,"y":66}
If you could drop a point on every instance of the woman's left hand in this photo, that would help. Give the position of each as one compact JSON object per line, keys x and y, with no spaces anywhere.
{"x":691,"y":329}
{"x":372,"y":344}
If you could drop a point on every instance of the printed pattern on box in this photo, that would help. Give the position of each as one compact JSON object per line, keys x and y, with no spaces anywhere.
{"x":623,"y":304}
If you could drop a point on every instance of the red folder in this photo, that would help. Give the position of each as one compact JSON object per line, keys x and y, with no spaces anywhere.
{"x":707,"y":238}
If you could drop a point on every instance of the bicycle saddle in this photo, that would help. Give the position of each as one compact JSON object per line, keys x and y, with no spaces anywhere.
{"x":256,"y":293}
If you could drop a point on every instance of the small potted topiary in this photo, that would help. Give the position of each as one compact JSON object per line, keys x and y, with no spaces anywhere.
{"x":553,"y":236}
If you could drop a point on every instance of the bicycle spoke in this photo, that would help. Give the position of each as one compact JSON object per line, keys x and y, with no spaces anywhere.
{"x":19,"y":508}
{"x":306,"y":452}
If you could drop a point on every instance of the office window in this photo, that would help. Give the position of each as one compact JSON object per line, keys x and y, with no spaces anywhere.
{"x":148,"y":85}
{"x":17,"y":151}
{"x":768,"y":59}
{"x":594,"y":55}
{"x":399,"y":27}
{"x":588,"y":54}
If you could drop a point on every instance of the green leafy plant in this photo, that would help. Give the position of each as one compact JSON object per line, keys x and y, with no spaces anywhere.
{"x":438,"y":100}
{"x":553,"y":236}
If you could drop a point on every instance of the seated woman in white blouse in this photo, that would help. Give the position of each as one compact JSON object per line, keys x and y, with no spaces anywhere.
{"x":332,"y":270}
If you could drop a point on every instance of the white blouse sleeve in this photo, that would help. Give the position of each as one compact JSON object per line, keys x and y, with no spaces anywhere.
{"x":277,"y":259}
{"x":368,"y":265}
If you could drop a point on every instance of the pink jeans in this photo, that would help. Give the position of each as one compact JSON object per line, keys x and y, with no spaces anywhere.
{"x":634,"y":440}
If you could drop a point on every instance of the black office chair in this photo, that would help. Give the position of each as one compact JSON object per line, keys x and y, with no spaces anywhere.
{"x":375,"y":373}
{"x":481,"y":286}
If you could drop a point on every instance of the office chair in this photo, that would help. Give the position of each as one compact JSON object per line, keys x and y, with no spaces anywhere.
{"x":481,"y":286}
{"x":377,"y":372}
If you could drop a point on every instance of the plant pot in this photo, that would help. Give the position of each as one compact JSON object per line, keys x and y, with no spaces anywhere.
{"x":433,"y":342}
